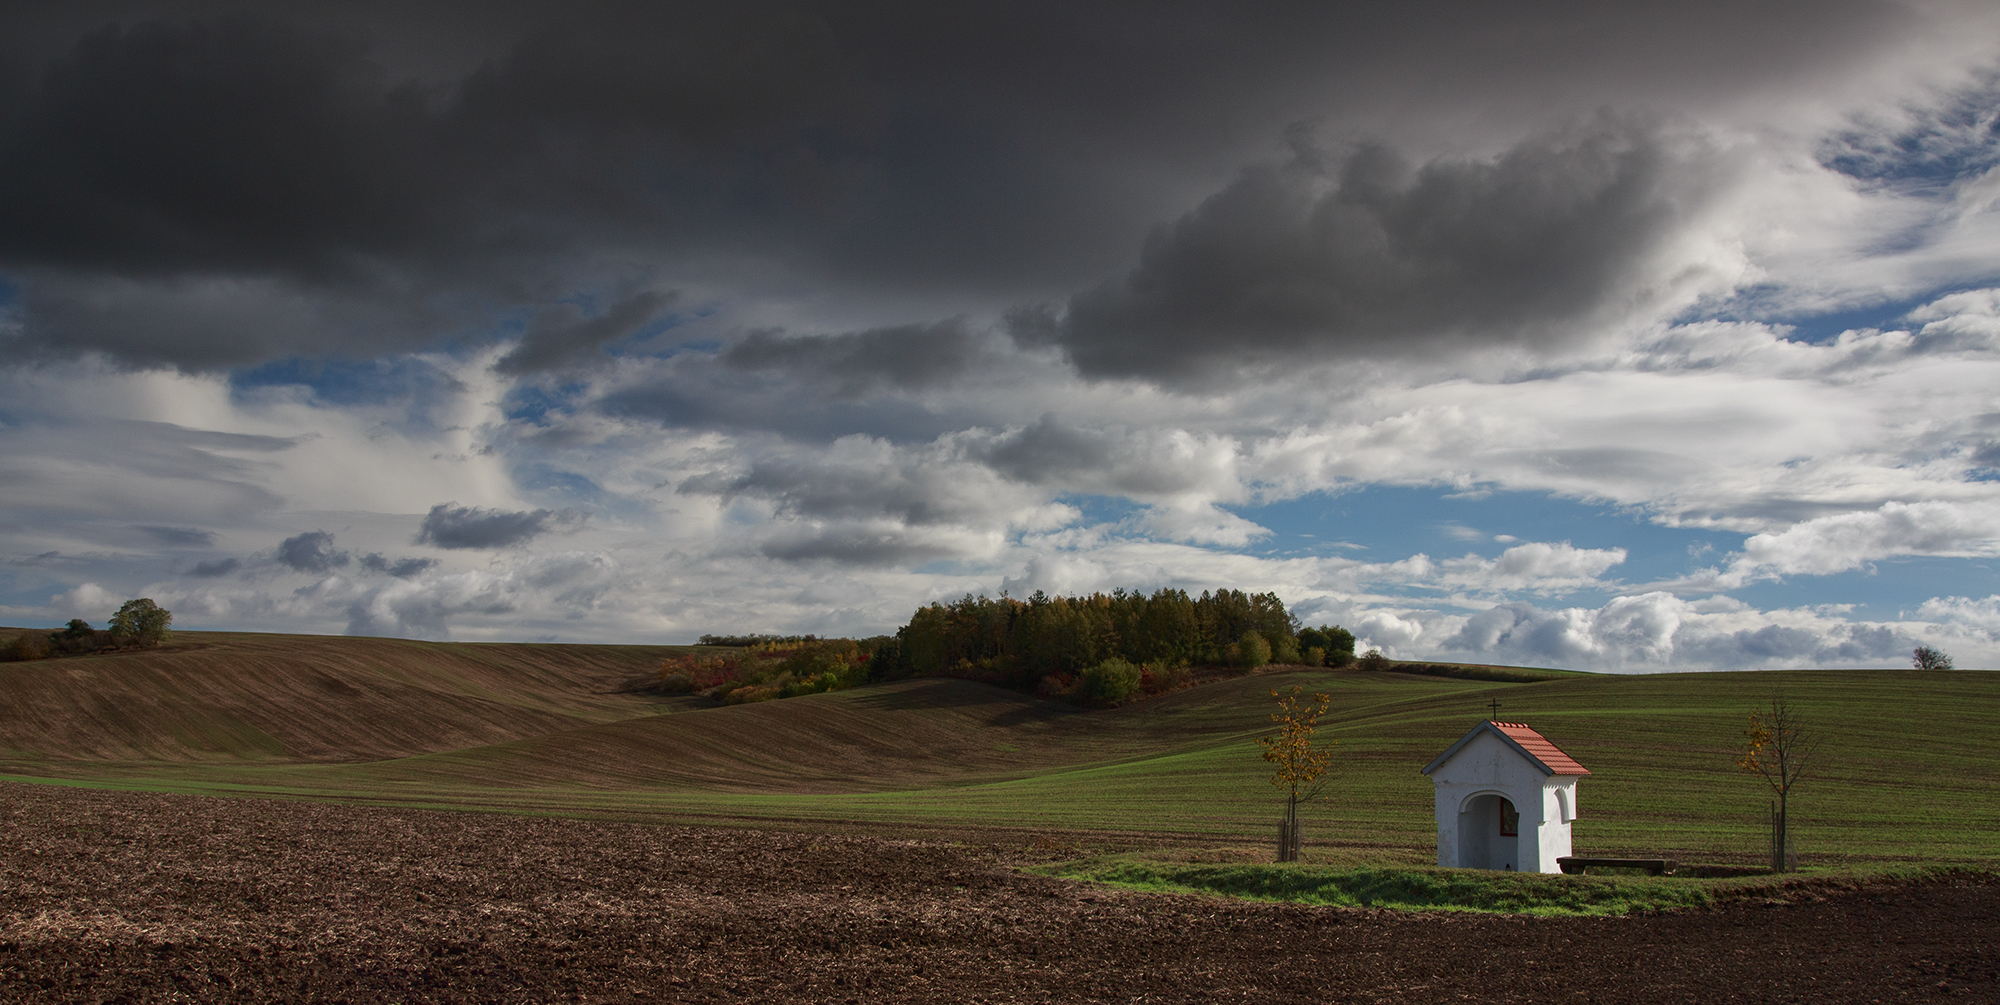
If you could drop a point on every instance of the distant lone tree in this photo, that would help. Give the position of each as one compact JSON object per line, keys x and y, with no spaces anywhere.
{"x":1300,"y":760}
{"x":1926,"y":658}
{"x":142,"y":621}
{"x":1778,"y":749}
{"x":1373,"y":660}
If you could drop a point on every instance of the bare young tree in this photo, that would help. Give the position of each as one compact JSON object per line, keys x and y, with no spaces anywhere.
{"x":1926,"y":658}
{"x":1300,"y":760}
{"x":1778,"y":748}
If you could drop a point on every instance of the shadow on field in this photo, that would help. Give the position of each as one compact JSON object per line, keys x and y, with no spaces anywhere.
{"x":934,"y":693}
{"x":1041,"y":711}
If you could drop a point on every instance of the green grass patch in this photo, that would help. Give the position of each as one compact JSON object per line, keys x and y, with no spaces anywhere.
{"x":1401,"y":889}
{"x":1432,"y":889}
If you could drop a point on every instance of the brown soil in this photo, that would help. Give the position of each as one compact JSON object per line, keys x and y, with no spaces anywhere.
{"x":128,"y":897}
{"x":240,"y":697}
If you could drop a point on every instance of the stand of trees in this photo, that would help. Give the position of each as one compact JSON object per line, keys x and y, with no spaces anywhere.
{"x":139,"y":623}
{"x":1019,"y":643}
{"x":753,"y":641}
{"x":772,"y":668}
{"x":1099,"y":650}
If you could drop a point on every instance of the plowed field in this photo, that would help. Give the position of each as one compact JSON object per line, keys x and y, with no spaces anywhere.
{"x":108,"y":896}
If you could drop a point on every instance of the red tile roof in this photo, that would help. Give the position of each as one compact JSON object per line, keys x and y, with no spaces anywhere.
{"x":1538,"y":747}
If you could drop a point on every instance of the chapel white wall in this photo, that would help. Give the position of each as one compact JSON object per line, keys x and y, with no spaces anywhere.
{"x":1488,"y":764}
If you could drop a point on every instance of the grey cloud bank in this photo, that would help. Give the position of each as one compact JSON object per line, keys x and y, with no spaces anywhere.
{"x":449,"y":525}
{"x":1559,"y":237}
{"x":312,"y":551}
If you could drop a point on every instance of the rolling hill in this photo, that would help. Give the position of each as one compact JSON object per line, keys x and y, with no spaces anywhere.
{"x":225,"y":696}
{"x":1910,"y":765}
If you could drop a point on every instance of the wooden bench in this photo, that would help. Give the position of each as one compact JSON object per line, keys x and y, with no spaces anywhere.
{"x":1577,"y":866}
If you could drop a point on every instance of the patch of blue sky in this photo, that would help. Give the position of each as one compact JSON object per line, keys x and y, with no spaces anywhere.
{"x":554,"y":487}
{"x":1888,"y":315}
{"x":24,"y":591}
{"x":1099,"y":511}
{"x":532,"y":403}
{"x":1389,"y":523}
{"x":1888,"y":590}
{"x":1956,"y":138}
{"x":29,"y":583}
{"x":567,"y":486}
{"x":350,"y":382}
{"x":1820,"y":327}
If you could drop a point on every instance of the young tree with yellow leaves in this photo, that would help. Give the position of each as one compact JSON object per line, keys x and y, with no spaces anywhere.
{"x":1778,"y":749}
{"x":1300,"y":759}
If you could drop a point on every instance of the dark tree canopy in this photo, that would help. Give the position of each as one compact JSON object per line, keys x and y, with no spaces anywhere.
{"x":1018,"y":642}
{"x":1335,"y":643}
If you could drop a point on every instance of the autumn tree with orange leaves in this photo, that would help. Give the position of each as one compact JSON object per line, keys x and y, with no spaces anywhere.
{"x":1301,"y":760}
{"x":1778,"y":749}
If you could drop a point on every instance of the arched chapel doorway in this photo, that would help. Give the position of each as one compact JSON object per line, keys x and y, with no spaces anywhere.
{"x":1489,"y":833}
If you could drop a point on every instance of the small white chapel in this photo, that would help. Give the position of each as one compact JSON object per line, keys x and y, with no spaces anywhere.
{"x":1505,"y":800}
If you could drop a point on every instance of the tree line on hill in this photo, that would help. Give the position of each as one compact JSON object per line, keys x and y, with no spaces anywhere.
{"x":1101,"y":649}
{"x":752,"y":641}
{"x":1020,"y":642}
{"x":139,"y":623}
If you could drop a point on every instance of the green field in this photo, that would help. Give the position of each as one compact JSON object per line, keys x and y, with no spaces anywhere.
{"x":1909,"y":769}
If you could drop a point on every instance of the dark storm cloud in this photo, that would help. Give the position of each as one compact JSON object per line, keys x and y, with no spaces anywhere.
{"x":221,"y":189}
{"x":250,"y":144}
{"x":213,"y":569}
{"x":1052,"y":452}
{"x":1371,"y":255}
{"x":449,"y":525}
{"x":180,"y":537}
{"x":249,"y":187}
{"x":908,"y":490}
{"x":858,"y":546}
{"x":563,"y":335}
{"x":232,"y":144}
{"x":910,"y":357}
{"x":312,"y":551}
{"x":822,"y":387}
{"x":1049,"y":451}
{"x":402,"y":568}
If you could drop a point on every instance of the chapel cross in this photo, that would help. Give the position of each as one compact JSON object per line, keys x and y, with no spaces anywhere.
{"x":1496,"y":709}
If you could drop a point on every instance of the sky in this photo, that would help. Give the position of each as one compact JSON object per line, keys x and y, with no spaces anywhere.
{"x":1607,"y":336}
